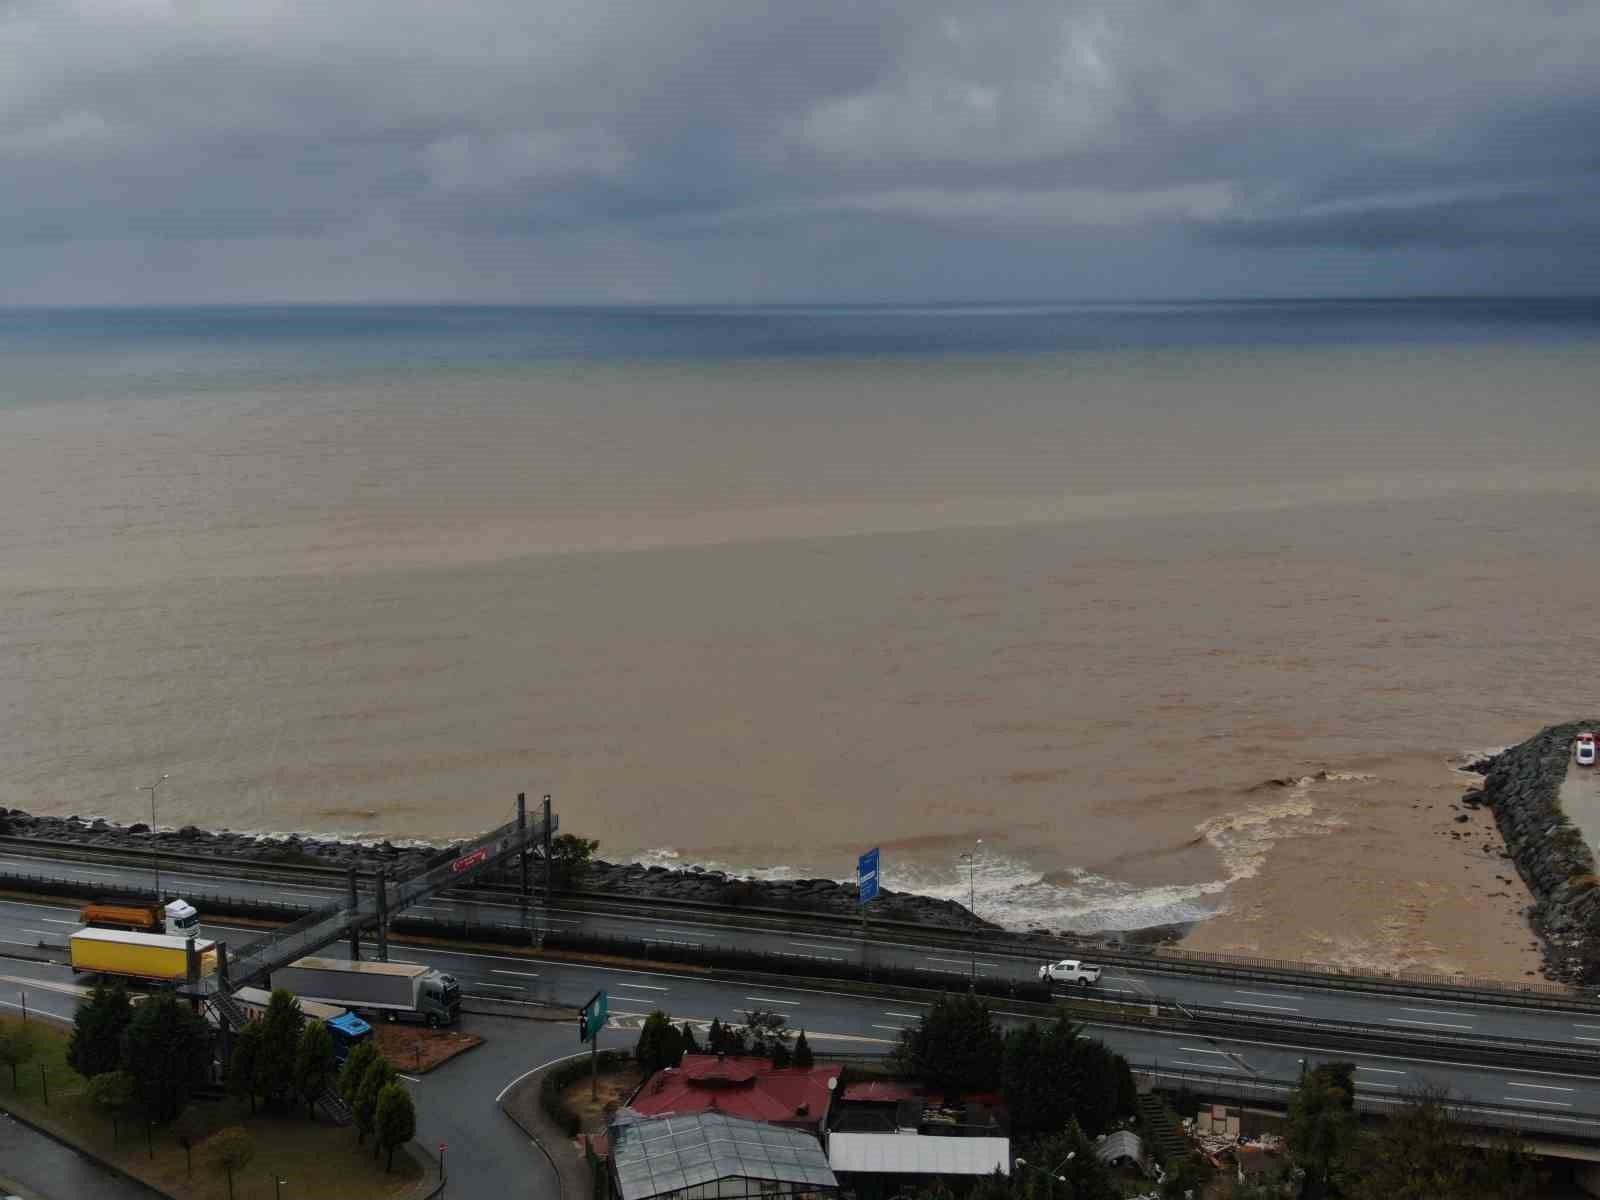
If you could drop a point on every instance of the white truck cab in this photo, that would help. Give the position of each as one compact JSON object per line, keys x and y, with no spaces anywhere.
{"x":183,"y":919}
{"x":1069,"y":970}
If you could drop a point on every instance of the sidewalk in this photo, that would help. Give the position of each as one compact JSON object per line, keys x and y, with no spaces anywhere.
{"x":521,"y":1104}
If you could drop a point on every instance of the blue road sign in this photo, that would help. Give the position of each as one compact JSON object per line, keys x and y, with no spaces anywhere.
{"x":867,"y":876}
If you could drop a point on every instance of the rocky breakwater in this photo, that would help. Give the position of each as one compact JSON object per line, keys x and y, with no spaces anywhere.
{"x":1522,"y":786}
{"x":612,"y":879}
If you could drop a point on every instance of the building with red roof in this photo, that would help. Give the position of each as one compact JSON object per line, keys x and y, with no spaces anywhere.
{"x":748,"y":1088}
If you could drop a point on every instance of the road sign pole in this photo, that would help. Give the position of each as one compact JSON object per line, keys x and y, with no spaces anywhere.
{"x":594,"y":1067}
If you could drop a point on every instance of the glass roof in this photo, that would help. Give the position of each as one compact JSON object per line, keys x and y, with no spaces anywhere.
{"x":654,"y":1155}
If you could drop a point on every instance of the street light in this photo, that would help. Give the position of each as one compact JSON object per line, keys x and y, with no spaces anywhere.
{"x":155,"y":855}
{"x":971,"y":859}
{"x":1071,"y":1154}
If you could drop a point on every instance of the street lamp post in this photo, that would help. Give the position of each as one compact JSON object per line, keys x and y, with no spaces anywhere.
{"x":155,"y":855}
{"x":971,"y":858}
{"x":1050,"y":1174}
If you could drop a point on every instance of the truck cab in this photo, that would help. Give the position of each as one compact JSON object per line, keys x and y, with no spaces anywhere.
{"x":348,"y":1032}
{"x":439,"y":999}
{"x":182,"y":919}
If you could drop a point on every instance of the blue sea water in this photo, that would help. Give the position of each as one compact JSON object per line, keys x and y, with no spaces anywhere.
{"x":65,"y":353}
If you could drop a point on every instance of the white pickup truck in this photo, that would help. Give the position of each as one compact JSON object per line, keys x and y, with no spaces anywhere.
{"x":1069,"y":970}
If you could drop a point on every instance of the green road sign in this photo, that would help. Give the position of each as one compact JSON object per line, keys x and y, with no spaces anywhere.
{"x":593,"y":1017}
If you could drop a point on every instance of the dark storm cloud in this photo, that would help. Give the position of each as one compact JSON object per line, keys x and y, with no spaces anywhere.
{"x":735,"y":149}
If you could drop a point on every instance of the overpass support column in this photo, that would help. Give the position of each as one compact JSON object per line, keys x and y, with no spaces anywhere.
{"x":355,"y":930}
{"x":522,"y":836}
{"x":383,"y":914}
{"x":549,"y":864}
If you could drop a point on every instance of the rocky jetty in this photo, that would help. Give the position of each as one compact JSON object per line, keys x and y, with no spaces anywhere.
{"x":1522,"y":786}
{"x":615,"y":879}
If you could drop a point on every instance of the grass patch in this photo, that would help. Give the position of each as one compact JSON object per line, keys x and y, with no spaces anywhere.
{"x":315,"y":1159}
{"x":612,"y":1090}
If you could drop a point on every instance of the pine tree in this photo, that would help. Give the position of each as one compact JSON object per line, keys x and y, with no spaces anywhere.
{"x":690,"y":1045}
{"x":716,"y":1038}
{"x":280,"y":1039}
{"x":379,"y":1076}
{"x":97,"y":1027}
{"x":169,"y":1052}
{"x":242,"y":1066}
{"x":313,"y":1063}
{"x":355,"y":1070}
{"x":396,"y":1118}
{"x":802,"y":1052}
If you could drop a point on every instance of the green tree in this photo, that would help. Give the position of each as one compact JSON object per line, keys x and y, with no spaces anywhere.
{"x":1322,"y":1126}
{"x":1038,"y":1073}
{"x":802,"y":1052}
{"x":1065,"y":1167}
{"x":97,"y":1027}
{"x":16,"y":1047}
{"x":1103,"y":1081}
{"x":355,"y":1070}
{"x":690,"y":1045}
{"x":190,"y":1129}
{"x":379,"y":1076}
{"x":1422,"y":1152}
{"x":955,"y":1047}
{"x":242,"y":1065}
{"x":766,"y":1030}
{"x":397,"y":1119}
{"x":231,"y":1149}
{"x":280,"y":1039}
{"x":313,"y":1063}
{"x":660,"y":1044}
{"x":570,"y":858}
{"x":114,"y":1093}
{"x":169,"y":1052}
{"x":781,"y":1058}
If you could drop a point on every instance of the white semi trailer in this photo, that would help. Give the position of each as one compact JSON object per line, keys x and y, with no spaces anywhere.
{"x":388,"y":991}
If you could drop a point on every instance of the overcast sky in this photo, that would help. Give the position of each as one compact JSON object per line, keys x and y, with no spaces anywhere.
{"x":799,"y":150}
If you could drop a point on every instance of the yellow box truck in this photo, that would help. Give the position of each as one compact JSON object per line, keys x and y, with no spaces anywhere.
{"x":138,"y":955}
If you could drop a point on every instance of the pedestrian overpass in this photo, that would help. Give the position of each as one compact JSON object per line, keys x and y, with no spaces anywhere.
{"x":347,"y":918}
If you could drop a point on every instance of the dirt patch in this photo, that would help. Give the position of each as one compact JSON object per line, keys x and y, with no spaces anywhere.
{"x":415,"y":1051}
{"x":612,"y":1089}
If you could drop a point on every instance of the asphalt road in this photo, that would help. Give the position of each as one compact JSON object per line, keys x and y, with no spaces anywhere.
{"x":1401,"y":1013}
{"x":457,"y":1100}
{"x":49,"y":1170}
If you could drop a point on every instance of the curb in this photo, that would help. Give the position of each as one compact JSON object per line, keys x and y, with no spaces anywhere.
{"x":536,"y":1076}
{"x":89,"y":1154}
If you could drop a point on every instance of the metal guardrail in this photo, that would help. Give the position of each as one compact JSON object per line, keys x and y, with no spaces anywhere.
{"x":1166,"y":960}
{"x":1581,"y":1126}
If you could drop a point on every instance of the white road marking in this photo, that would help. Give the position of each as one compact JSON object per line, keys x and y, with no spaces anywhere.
{"x":510,"y":987}
{"x":59,"y":921}
{"x":908,"y":1016}
{"x":1381,"y":1070}
{"x":1266,"y":995}
{"x":1531,"y":1100}
{"x":407,"y":1078}
{"x":1431,"y":1012}
{"x":1544,"y":1087}
{"x":1434,"y":1024}
{"x":963,"y":962}
{"x":525,"y":974}
{"x":896,"y":1028}
{"x":1247,"y":1004}
{"x":649,"y":987}
{"x":770,"y":1000}
{"x":1368,"y":1083}
{"x":683,"y":929}
{"x":40,"y":932}
{"x":1581,"y":1025}
{"x":14,"y":942}
{"x":1178,"y":1062}
{"x":1198,"y":1050}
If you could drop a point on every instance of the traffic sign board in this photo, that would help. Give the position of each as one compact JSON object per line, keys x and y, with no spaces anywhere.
{"x":593,"y":1017}
{"x":867,"y":876}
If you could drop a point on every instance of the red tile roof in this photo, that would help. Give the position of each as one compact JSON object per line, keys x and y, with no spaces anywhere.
{"x":883,"y":1091}
{"x":740,"y":1087}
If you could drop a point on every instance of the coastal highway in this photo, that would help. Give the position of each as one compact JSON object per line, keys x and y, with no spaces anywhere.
{"x":842,"y":1022}
{"x":1398,"y":1012}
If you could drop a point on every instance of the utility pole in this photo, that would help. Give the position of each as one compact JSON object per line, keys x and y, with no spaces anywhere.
{"x":155,"y":855}
{"x":522,"y":837}
{"x":383,"y":914}
{"x":549,"y":856}
{"x":972,"y":902}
